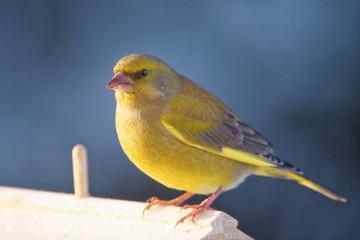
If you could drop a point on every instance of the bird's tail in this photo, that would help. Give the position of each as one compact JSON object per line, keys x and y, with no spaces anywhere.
{"x":302,"y":180}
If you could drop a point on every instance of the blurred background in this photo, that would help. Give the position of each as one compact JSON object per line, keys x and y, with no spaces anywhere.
{"x":290,"y":69}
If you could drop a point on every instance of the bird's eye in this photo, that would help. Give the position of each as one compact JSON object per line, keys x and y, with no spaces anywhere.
{"x":143,"y":73}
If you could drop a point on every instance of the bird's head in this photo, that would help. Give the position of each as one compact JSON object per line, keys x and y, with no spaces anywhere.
{"x":142,"y":75}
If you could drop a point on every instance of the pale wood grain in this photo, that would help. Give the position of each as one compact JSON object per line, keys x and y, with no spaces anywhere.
{"x":32,"y":214}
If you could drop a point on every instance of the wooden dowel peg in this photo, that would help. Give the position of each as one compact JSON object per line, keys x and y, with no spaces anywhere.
{"x":80,"y":171}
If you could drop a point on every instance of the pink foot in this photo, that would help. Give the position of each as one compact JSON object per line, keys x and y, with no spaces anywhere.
{"x":204,"y":205}
{"x":154,"y":201}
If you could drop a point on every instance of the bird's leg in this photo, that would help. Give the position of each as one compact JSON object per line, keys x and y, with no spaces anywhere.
{"x":204,"y":205}
{"x":154,"y":201}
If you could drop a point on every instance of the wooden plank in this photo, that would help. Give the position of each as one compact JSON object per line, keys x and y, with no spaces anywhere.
{"x":33,"y":214}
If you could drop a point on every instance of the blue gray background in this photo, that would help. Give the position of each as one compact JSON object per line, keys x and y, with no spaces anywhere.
{"x":288,"y":68}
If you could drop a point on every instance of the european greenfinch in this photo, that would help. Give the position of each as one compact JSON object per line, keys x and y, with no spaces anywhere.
{"x":187,"y":139}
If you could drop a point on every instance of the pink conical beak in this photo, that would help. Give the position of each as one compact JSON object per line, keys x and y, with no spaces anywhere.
{"x":121,"y":83}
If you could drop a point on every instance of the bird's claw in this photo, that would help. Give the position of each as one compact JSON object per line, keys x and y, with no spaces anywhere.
{"x":197,"y":210}
{"x":154,"y":201}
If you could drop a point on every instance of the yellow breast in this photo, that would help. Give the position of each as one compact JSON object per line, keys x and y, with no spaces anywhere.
{"x":169,"y":161}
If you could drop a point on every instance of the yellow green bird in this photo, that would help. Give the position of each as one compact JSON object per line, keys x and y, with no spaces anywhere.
{"x":186,"y":138}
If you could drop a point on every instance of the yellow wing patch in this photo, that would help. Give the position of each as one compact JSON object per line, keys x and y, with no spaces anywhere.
{"x":189,"y":138}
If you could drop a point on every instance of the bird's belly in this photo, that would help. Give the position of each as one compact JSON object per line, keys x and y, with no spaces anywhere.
{"x":174,"y":164}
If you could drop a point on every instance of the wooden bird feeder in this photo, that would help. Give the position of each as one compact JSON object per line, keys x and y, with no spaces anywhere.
{"x":32,"y":214}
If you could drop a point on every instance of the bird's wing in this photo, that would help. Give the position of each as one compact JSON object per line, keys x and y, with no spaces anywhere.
{"x":214,"y":128}
{"x":217,"y":130}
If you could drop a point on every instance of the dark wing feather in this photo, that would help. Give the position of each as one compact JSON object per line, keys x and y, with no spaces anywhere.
{"x":235,"y":134}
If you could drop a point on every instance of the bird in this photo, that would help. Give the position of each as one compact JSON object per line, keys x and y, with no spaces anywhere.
{"x":187,"y":139}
